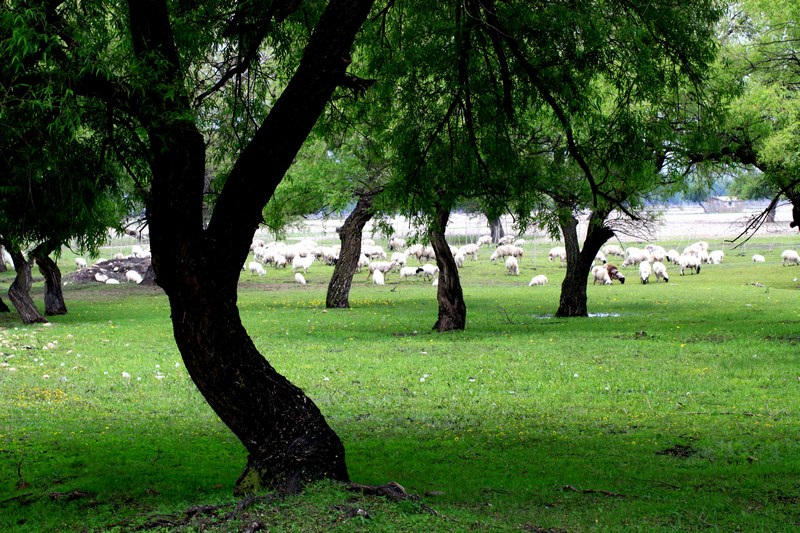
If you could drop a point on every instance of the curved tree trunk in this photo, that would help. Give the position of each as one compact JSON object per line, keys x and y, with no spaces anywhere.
{"x":496,"y":229}
{"x":53,"y":295}
{"x":287,"y":438}
{"x":19,"y":291}
{"x":452,"y":308}
{"x":338,"y":296}
{"x":579,"y":263}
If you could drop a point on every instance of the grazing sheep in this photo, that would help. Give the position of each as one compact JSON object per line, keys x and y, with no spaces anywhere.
{"x":601,"y":257}
{"x":363,"y":261}
{"x":660,"y":270}
{"x":459,"y":259}
{"x":298,"y":278}
{"x":80,"y":263}
{"x":600,"y":274}
{"x":790,"y":257}
{"x":133,"y":276}
{"x":409,"y":272}
{"x":558,"y":252}
{"x":541,"y":279}
{"x":645,"y":271}
{"x":690,"y":261}
{"x":506,"y":250}
{"x":614,"y":273}
{"x":396,"y":243}
{"x":673,"y":256}
{"x":470,"y":250}
{"x":507,"y":239}
{"x":484,"y":240}
{"x":613,"y":249}
{"x":255,"y":268}
{"x":302,"y":263}
{"x":635,"y":256}
{"x":399,"y":258}
{"x":377,"y":277}
{"x":429,"y":270}
{"x":716,"y":257}
{"x":758,"y":258}
{"x":384,"y":266}
{"x":512,"y":266}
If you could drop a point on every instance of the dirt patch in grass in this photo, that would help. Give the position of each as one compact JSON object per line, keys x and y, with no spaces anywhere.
{"x":111,"y":269}
{"x":679,"y":450}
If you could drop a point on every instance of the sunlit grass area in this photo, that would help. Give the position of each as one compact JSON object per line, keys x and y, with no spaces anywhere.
{"x":674,"y":408}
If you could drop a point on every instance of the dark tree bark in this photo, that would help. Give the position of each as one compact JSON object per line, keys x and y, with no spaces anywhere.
{"x":19,"y":291}
{"x":338,"y":296}
{"x":452,"y":308}
{"x":149,"y":277}
{"x":579,"y":262}
{"x":3,"y":307}
{"x":53,"y":295}
{"x":496,"y":229}
{"x":287,"y":438}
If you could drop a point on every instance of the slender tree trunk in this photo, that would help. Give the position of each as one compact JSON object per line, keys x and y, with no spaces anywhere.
{"x":287,"y":438}
{"x":19,"y":292}
{"x":771,"y":214}
{"x":53,"y":294}
{"x":579,"y":263}
{"x":338,"y":296}
{"x":452,"y":308}
{"x":496,"y":229}
{"x":3,"y":267}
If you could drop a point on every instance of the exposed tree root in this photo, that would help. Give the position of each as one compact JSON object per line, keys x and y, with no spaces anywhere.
{"x":391,"y":490}
{"x":570,"y":488}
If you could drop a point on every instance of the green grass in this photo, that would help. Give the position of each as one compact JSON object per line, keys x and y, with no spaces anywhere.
{"x":678,"y":411}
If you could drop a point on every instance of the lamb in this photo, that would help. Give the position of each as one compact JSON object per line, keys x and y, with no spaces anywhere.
{"x":599,"y":273}
{"x":133,"y":276}
{"x":377,"y":278}
{"x":690,"y":261}
{"x":790,"y":257}
{"x":512,"y":266}
{"x":758,"y":258}
{"x":614,"y":273}
{"x":80,"y":263}
{"x":645,"y":271}
{"x":255,"y":268}
{"x":298,"y":278}
{"x":541,"y":279}
{"x":660,"y":270}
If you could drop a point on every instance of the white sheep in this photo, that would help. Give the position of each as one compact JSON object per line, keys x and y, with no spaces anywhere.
{"x":396,"y":243}
{"x":716,"y":257}
{"x":255,"y":268}
{"x":645,"y":271}
{"x":558,"y":252}
{"x":409,"y":272}
{"x":384,"y":266}
{"x":790,"y":257}
{"x":399,"y":258}
{"x":540,"y":279}
{"x":635,"y":256}
{"x":690,"y":261}
{"x":484,"y":240}
{"x":302,"y":263}
{"x":429,"y":270}
{"x":512,"y":266}
{"x":660,"y":270}
{"x":298,"y":278}
{"x":673,"y":256}
{"x":377,"y":277}
{"x":133,"y":276}
{"x":80,"y":263}
{"x":600,"y":274}
{"x":470,"y":250}
{"x":506,"y":239}
{"x":758,"y":258}
{"x":613,"y":249}
{"x":459,"y":259}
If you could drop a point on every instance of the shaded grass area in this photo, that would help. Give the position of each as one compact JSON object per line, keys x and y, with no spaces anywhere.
{"x":675,"y":410}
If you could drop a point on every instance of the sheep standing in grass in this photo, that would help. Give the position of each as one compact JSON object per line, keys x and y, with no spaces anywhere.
{"x":255,"y":268}
{"x":645,"y":271}
{"x":614,"y":273}
{"x":660,"y":270}
{"x":758,"y":258}
{"x":541,"y":279}
{"x":409,"y":272}
{"x":716,"y":257}
{"x":377,"y":277}
{"x":559,"y":252}
{"x":690,"y":261}
{"x":80,"y":263}
{"x":613,"y":249}
{"x":600,"y":274}
{"x":429,"y":270}
{"x":133,"y":276}
{"x":512,"y":266}
{"x":790,"y":257}
{"x":484,"y":240}
{"x":302,"y":263}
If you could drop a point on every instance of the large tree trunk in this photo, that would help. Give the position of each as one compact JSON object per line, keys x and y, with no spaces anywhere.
{"x":579,"y":263}
{"x":338,"y":296}
{"x":53,"y":295}
{"x":452,"y":308}
{"x":287,"y":438}
{"x":3,"y":307}
{"x":496,"y":229}
{"x":19,"y":291}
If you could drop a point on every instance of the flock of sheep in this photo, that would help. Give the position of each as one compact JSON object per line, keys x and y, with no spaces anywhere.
{"x":651,"y":260}
{"x":106,"y":270}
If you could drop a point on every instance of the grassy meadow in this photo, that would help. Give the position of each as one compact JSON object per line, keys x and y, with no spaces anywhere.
{"x":675,"y":408}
